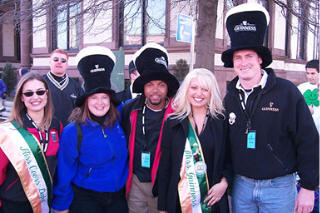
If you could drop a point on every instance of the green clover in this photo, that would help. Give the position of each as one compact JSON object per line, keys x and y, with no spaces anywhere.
{"x":311,"y":97}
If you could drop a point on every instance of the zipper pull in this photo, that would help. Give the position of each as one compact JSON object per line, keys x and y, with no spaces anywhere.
{"x":104,"y":135}
{"x":89,"y":172}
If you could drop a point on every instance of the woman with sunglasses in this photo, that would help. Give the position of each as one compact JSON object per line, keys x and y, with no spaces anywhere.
{"x":29,"y":142}
{"x":92,"y":171}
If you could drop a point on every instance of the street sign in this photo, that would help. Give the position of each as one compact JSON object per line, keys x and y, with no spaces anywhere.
{"x":184,"y":28}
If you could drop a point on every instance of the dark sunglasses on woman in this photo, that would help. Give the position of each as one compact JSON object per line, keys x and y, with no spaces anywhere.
{"x":30,"y":93}
{"x":62,"y":60}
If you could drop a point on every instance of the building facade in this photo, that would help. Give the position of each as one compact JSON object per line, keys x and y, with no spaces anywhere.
{"x":130,"y":24}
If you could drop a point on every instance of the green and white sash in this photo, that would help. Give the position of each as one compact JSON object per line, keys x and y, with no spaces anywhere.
{"x":25,"y":154}
{"x":193,"y":185}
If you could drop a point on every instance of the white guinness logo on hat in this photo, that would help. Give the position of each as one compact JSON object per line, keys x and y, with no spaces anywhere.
{"x":162,"y":61}
{"x":245,"y":26}
{"x":97,"y":69}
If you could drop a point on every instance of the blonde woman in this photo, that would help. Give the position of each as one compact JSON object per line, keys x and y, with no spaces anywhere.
{"x":29,"y":143}
{"x":191,"y":172}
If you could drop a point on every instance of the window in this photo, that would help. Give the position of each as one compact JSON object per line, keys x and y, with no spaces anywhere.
{"x":66,"y":26}
{"x":142,"y":21}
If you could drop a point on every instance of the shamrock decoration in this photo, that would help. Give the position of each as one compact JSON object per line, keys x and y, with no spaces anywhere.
{"x":311,"y":97}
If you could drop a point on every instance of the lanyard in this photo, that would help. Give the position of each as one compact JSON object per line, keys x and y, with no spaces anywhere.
{"x":204,"y":122}
{"x":143,"y":118}
{"x":253,"y":107}
{"x":43,"y":142}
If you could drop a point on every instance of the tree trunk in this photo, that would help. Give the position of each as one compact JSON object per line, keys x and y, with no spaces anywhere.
{"x":25,"y":33}
{"x":205,"y":36}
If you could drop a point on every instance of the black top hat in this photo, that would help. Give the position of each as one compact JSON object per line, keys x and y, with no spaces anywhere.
{"x":152,"y":64}
{"x":246,"y":25}
{"x":95,"y":65}
{"x":132,"y":67}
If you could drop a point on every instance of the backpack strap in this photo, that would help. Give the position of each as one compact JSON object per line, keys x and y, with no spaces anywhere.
{"x":79,"y":136}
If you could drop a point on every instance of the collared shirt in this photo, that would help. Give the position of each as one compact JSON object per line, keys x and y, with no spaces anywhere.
{"x":262,"y":83}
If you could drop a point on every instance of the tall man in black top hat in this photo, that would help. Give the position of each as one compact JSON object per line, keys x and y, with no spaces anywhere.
{"x":64,"y":90}
{"x":128,"y":93}
{"x":143,"y":120}
{"x":270,"y":129}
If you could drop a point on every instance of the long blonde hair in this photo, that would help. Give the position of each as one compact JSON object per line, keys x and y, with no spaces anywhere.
{"x":19,"y":107}
{"x":207,"y":80}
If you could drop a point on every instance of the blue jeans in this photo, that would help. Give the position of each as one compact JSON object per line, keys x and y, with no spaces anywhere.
{"x":264,"y":196}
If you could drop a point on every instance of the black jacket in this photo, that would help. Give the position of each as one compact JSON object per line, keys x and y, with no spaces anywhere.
{"x":286,"y":137}
{"x":128,"y":108}
{"x":173,"y":143}
{"x":64,"y":100}
{"x":124,"y":95}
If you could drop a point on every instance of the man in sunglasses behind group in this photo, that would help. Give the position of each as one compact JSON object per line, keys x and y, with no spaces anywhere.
{"x":64,"y":90}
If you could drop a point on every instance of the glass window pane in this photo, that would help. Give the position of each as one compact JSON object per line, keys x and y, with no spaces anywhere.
{"x":62,"y":33}
{"x":132,"y":23}
{"x":156,"y":20}
{"x":74,"y":27}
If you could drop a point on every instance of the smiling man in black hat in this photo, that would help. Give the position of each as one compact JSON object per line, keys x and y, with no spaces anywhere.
{"x":270,"y":129}
{"x":142,"y":122}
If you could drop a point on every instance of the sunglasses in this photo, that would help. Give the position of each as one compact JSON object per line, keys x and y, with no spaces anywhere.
{"x":30,"y":93}
{"x":56,"y":59}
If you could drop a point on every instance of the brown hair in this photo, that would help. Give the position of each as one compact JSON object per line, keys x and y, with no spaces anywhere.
{"x":19,"y":107}
{"x":80,"y":114}
{"x":60,"y":51}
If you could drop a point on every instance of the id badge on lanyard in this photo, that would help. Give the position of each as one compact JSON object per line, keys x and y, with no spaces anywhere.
{"x":145,"y":159}
{"x":251,"y":139}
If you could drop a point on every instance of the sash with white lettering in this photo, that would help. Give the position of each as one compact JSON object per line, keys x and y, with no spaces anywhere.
{"x":193,"y":185}
{"x":25,"y":154}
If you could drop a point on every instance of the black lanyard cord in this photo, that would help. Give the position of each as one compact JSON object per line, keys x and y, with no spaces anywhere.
{"x":43,"y":142}
{"x":204,"y":122}
{"x":250,"y":112}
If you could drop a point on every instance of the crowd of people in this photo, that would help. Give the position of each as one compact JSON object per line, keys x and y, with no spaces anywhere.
{"x":159,"y":146}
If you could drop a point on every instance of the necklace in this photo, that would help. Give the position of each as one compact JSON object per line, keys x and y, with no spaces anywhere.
{"x":43,"y":141}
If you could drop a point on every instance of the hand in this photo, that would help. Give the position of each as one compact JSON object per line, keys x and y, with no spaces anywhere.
{"x":63,"y":211}
{"x":216,"y":192}
{"x":162,"y":211}
{"x":304,"y":201}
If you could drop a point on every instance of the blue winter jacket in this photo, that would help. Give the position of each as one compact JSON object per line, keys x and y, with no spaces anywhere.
{"x":102,"y":165}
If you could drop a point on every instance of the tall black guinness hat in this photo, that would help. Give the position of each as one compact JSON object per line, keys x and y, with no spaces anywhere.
{"x":152,"y":64}
{"x":246,"y":26}
{"x":95,"y":64}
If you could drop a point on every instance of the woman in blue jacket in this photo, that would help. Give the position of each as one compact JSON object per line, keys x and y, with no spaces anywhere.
{"x":91,"y":174}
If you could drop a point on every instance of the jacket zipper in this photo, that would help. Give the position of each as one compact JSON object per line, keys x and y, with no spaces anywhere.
{"x":276,"y":157}
{"x":89,"y":172}
{"x":11,"y":184}
{"x":114,"y":167}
